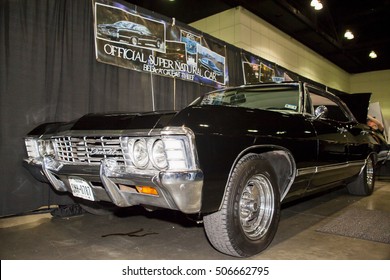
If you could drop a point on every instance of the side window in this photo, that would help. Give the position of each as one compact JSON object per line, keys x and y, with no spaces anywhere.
{"x":335,"y":112}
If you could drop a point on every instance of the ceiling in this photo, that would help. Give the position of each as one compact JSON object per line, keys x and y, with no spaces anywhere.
{"x":321,"y":31}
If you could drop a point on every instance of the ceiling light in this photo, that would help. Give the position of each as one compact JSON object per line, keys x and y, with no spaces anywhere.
{"x":349,"y":35}
{"x":373,"y":55}
{"x":316,"y":4}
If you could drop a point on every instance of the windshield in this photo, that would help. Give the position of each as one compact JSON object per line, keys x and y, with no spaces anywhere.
{"x":278,"y":98}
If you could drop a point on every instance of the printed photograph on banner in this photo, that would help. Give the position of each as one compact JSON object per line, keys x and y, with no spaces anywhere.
{"x":251,"y":72}
{"x":191,"y":41}
{"x":211,"y":65}
{"x":284,"y":75}
{"x":116,"y":25}
{"x":172,"y":63}
{"x":129,"y":39}
{"x":266,"y":73}
{"x":258,"y":70}
{"x":126,"y":39}
{"x":175,"y":51}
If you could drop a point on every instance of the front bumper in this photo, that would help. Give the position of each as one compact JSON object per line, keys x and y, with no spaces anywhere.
{"x":109,"y":181}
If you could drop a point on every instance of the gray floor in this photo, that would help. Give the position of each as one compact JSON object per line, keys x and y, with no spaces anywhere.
{"x":169,"y":235}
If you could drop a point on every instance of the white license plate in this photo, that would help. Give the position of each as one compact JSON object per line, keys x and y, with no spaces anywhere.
{"x":80,"y":188}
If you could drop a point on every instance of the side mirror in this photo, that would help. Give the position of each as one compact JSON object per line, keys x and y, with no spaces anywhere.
{"x":320,"y":112}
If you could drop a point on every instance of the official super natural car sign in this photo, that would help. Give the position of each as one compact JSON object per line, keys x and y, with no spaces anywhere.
{"x":126,"y":38}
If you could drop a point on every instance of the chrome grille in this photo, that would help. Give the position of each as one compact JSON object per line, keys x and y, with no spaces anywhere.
{"x":87,"y":149}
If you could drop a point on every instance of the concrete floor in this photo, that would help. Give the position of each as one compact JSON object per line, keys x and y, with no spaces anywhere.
{"x":169,"y":235}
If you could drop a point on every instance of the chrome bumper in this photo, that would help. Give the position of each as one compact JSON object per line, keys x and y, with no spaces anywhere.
{"x":384,"y":156}
{"x":179,"y":190}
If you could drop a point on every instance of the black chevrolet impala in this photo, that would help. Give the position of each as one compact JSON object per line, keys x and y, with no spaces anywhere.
{"x":133,"y":33}
{"x":231,"y":157}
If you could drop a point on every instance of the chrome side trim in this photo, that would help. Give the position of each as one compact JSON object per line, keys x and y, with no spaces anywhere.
{"x":383,"y":156}
{"x":306,"y":171}
{"x":329,"y":167}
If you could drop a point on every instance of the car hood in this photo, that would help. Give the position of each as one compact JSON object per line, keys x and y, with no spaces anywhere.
{"x":121,"y":121}
{"x":111,"y":121}
{"x":216,"y":120}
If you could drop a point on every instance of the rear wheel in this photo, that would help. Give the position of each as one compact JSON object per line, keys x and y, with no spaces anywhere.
{"x":365,"y":182}
{"x":249,"y":217}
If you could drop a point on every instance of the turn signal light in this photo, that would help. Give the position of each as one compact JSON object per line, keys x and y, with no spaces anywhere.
{"x":147,"y":190}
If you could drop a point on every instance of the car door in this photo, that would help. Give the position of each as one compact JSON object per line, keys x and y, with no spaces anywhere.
{"x":333,"y":136}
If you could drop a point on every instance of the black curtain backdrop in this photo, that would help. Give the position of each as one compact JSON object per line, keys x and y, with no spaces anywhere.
{"x":48,"y":72}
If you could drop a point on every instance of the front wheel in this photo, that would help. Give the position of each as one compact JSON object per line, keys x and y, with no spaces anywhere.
{"x":247,"y":222}
{"x":134,"y":41}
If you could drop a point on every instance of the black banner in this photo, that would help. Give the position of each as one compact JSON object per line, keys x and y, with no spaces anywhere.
{"x":129,"y":39}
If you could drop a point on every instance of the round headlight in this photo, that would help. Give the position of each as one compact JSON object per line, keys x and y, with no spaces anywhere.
{"x":139,"y":153}
{"x":158,"y":156}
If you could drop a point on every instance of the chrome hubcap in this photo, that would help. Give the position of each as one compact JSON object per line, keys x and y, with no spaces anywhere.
{"x":256,"y":206}
{"x":370,"y":173}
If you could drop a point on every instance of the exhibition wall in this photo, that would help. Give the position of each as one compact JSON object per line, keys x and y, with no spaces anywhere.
{"x":245,"y":30}
{"x":378,"y":83}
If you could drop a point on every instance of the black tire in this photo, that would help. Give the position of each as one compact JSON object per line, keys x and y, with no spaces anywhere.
{"x":247,"y":222}
{"x":365,"y":182}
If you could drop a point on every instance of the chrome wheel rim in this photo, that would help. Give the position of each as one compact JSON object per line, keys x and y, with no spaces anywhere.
{"x":256,"y":207}
{"x":370,"y":173}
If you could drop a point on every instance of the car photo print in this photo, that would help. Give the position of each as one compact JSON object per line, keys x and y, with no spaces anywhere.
{"x":130,"y":32}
